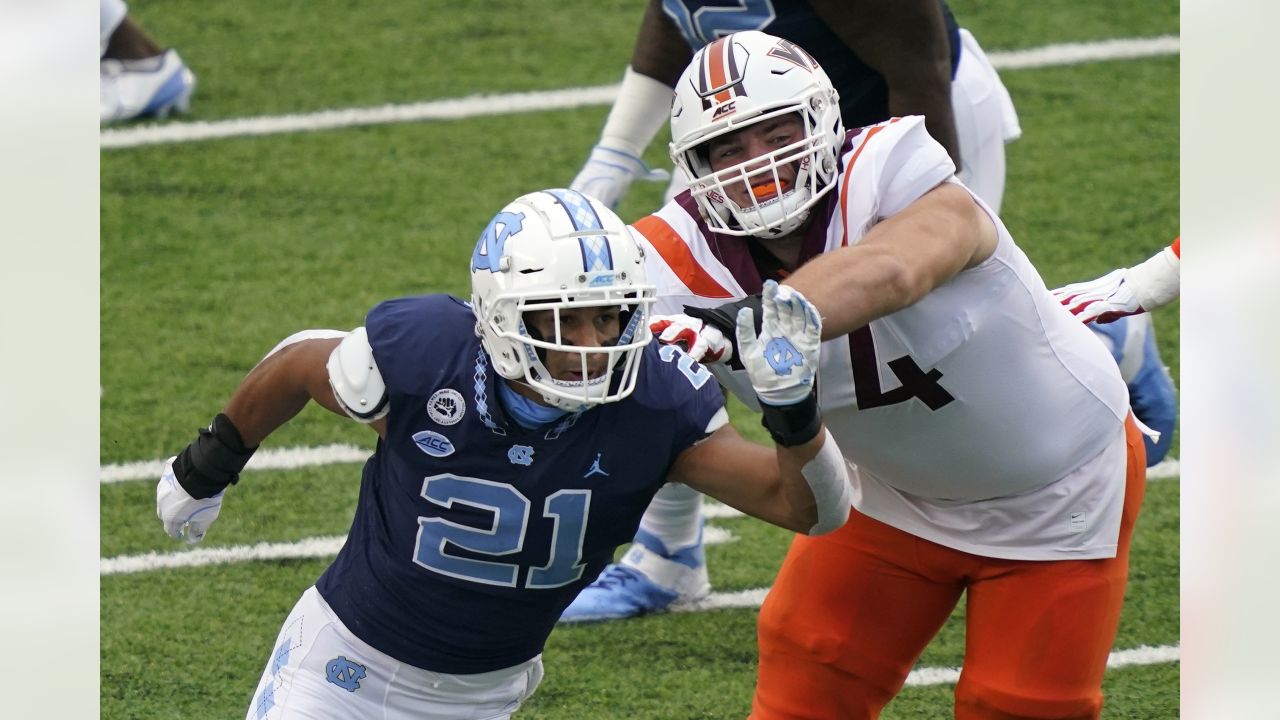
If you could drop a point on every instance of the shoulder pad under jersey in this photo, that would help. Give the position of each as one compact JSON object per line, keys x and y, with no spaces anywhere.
{"x":355,"y":379}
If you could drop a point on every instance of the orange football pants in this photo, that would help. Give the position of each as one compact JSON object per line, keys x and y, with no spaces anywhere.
{"x":851,"y":612}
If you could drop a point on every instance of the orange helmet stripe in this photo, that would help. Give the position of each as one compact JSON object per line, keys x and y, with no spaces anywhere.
{"x":717,"y":54}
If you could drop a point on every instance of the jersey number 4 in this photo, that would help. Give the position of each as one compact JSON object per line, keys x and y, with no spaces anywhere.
{"x":916,"y":383}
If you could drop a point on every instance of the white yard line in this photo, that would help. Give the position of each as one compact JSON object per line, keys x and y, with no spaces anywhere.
{"x":748,"y":599}
{"x":506,"y":104}
{"x":273,"y":459}
{"x":316,"y":547}
{"x":1141,"y":655}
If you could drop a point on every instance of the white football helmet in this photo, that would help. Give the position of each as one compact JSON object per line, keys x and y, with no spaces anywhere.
{"x":739,"y":80}
{"x":553,"y":250}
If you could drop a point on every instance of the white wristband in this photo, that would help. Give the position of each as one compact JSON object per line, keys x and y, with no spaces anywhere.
{"x":828,"y":477}
{"x":642,"y":107}
{"x":1156,"y":281}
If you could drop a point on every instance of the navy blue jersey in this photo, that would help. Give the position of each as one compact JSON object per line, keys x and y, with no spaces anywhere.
{"x":472,"y":534}
{"x":864,"y":96}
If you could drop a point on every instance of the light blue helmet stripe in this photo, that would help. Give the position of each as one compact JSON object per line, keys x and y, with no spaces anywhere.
{"x":596,"y":254}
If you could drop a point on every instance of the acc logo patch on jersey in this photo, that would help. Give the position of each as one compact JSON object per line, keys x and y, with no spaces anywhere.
{"x":433,"y":443}
{"x":446,"y":406}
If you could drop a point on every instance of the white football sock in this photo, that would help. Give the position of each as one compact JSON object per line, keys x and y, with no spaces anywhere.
{"x":675,"y":516}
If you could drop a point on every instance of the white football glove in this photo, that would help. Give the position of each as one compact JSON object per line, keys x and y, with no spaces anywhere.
{"x":1103,"y":300}
{"x":184,"y":516}
{"x":1146,"y":286}
{"x":783,"y":360}
{"x":704,"y":343}
{"x":608,"y":174}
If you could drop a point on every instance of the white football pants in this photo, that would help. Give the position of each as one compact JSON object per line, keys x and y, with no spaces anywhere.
{"x":318,"y":669}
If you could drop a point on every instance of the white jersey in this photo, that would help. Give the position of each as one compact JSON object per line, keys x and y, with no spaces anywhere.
{"x":984,"y":417}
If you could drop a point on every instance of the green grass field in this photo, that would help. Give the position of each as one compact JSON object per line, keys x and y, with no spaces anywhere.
{"x":213,"y":251}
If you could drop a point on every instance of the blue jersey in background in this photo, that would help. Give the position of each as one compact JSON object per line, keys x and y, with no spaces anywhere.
{"x":1132,"y":342}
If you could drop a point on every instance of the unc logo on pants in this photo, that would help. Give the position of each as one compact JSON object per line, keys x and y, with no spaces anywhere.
{"x":345,"y":674}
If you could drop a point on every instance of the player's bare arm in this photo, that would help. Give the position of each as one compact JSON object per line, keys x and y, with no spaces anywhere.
{"x":660,"y":52}
{"x":281,"y":386}
{"x":189,"y":494}
{"x":805,"y":487}
{"x":899,"y":261}
{"x":768,"y":484}
{"x":906,"y":42}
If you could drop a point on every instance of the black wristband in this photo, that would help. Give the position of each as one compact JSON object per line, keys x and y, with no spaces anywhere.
{"x":213,"y":460}
{"x":725,"y":317}
{"x":791,"y":425}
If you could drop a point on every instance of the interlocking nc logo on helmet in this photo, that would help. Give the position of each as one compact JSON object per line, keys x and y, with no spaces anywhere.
{"x":493,"y":240}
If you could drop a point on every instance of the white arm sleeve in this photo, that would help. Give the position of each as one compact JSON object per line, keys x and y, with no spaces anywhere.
{"x":356,"y":381}
{"x":828,"y":477}
{"x":1156,"y":281}
{"x":641,"y":109}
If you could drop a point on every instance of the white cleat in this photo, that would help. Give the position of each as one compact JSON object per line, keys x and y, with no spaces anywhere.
{"x":150,"y":87}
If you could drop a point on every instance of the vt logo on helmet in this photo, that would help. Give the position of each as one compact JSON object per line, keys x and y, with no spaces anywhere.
{"x":756,"y":127}
{"x":561,"y":300}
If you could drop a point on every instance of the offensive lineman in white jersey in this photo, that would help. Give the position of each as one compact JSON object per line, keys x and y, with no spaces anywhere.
{"x":989,"y":431}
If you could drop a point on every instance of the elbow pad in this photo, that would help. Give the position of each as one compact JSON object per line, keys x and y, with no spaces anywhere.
{"x":355,"y":379}
{"x":828,"y":477}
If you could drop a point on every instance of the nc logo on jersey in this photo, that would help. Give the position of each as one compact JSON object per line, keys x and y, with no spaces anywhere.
{"x":446,"y":406}
{"x":520,"y":455}
{"x":344,"y":673}
{"x":433,"y":443}
{"x":494,"y":239}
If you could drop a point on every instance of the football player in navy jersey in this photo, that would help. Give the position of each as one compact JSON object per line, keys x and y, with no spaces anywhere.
{"x":520,"y":438}
{"x":886,"y":58}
